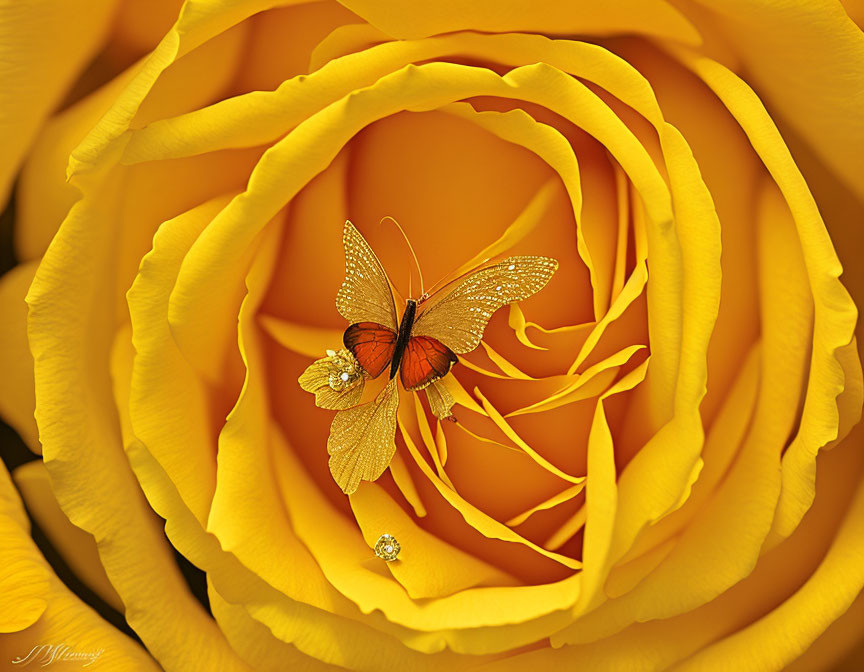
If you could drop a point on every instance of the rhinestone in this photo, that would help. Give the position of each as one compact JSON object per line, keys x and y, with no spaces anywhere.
{"x":387,"y":548}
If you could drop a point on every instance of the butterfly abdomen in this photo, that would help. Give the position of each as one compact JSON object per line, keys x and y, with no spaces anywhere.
{"x":403,"y":336}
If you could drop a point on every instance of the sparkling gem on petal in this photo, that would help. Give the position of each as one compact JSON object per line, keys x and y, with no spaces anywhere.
{"x":387,"y":548}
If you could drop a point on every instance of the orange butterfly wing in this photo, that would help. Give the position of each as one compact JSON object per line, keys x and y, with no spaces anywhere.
{"x":424,"y":361}
{"x":372,"y":344}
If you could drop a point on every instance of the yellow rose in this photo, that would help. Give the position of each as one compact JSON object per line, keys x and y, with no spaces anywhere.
{"x":650,"y":467}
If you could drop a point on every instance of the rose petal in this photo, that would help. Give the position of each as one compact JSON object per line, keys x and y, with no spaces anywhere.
{"x":256,"y":644}
{"x":782,"y":635}
{"x":41,"y":57}
{"x":835,"y":313}
{"x":199,"y":21}
{"x":588,"y":383}
{"x":349,"y":565}
{"x":302,"y":339}
{"x":519,"y":126}
{"x":24,"y":580}
{"x":575,"y":333}
{"x":564,"y":496}
{"x":511,"y":434}
{"x":426,"y":435}
{"x":601,"y":497}
{"x":838,"y":648}
{"x":43,"y":194}
{"x":427,"y":567}
{"x":427,"y":18}
{"x":729,"y":532}
{"x":139,"y":25}
{"x":76,"y":547}
{"x":282,"y":39}
{"x":170,"y":410}
{"x":80,"y":438}
{"x":722,"y":444}
{"x":262,"y":117}
{"x":195,"y":78}
{"x":801,"y":85}
{"x":17,"y":396}
{"x":37,"y":609}
{"x":630,"y":292}
{"x":662,"y":643}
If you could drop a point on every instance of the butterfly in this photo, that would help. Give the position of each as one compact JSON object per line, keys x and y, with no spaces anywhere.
{"x":420,"y":348}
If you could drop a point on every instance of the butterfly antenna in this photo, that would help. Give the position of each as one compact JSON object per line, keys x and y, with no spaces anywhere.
{"x":413,"y":254}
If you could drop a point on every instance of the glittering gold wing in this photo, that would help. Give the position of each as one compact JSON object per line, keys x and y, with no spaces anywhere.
{"x":459,"y":318}
{"x":365,"y":294}
{"x":363,"y":439}
{"x":440,"y":400}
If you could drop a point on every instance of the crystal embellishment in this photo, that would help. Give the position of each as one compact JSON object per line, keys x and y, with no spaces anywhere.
{"x":387,"y":548}
{"x":345,"y":371}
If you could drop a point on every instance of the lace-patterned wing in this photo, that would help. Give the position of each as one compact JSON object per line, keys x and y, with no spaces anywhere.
{"x":363,"y":439}
{"x":440,"y":400}
{"x":365,"y":294}
{"x":459,"y":318}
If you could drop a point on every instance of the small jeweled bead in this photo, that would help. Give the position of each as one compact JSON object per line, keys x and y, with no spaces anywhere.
{"x":387,"y":548}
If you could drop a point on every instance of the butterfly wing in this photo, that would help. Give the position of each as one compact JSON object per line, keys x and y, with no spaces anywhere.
{"x":372,"y":344}
{"x":363,"y":439}
{"x":424,"y":361}
{"x":459,"y":318}
{"x":365,"y":294}
{"x":440,"y":400}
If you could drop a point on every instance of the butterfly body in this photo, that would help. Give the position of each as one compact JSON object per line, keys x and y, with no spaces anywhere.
{"x":422,"y":347}
{"x":420,"y":360}
{"x":403,"y":336}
